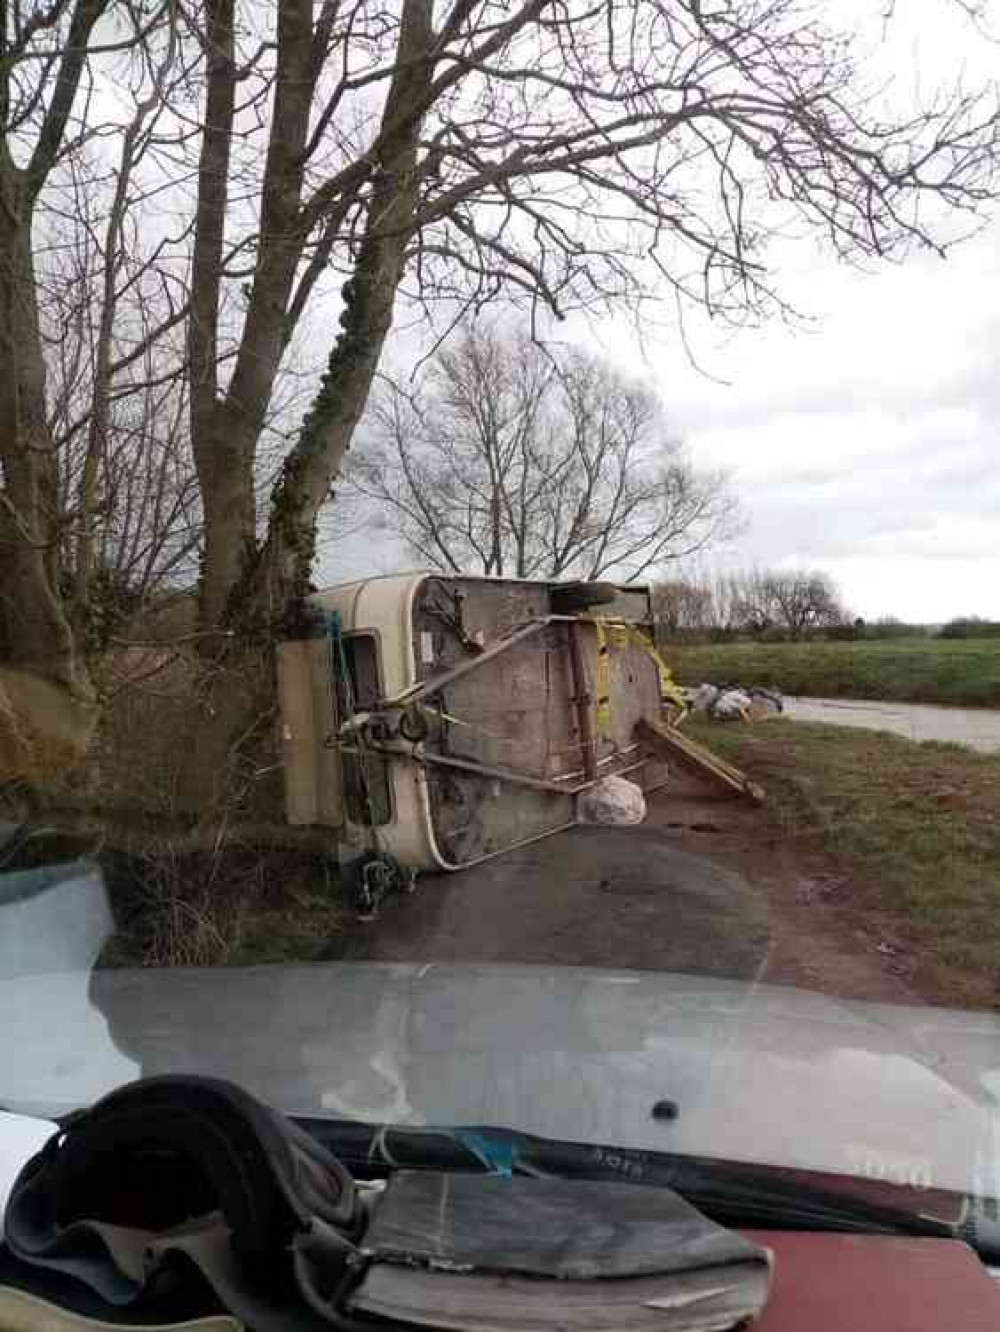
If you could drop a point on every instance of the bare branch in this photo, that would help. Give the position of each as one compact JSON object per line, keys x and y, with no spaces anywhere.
{"x":67,"y":81}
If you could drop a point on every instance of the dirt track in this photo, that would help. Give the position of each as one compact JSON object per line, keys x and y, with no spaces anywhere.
{"x":702,"y":886}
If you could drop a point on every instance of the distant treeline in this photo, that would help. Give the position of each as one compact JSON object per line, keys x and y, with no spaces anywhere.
{"x":848,"y":631}
{"x":781,"y":606}
{"x":970,"y":626}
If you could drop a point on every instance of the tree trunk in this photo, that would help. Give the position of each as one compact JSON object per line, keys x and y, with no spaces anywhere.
{"x":229,"y":510}
{"x":224,"y":475}
{"x":282,"y":575}
{"x":226,"y":429}
{"x":36,"y":632}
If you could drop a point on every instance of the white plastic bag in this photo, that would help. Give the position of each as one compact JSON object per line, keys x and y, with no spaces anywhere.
{"x":612,"y":801}
{"x":704,"y":697}
{"x":731,"y":705}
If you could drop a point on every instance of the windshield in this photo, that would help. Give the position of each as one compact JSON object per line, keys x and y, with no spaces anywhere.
{"x":498,"y":592}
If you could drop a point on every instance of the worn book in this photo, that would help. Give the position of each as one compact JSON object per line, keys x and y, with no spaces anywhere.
{"x":494,"y":1253}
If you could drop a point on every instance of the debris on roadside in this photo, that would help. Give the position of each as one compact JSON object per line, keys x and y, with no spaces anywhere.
{"x":731,"y":705}
{"x":728,"y":702}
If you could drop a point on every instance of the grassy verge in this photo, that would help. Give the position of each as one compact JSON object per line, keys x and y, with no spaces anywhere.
{"x":903,"y":670}
{"x":239,"y":909}
{"x":237,"y":905}
{"x":916,"y":826}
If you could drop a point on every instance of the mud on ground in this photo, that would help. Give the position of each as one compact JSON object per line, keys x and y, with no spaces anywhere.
{"x":703,"y":886}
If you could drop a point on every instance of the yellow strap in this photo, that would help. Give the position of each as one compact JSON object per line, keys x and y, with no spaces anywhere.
{"x":668,"y":686}
{"x":619,"y":635}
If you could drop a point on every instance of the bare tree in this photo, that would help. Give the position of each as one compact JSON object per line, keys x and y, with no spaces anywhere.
{"x":570,"y":157}
{"x":744,"y":601}
{"x":803,"y":600}
{"x":683,"y":605}
{"x":793,"y":601}
{"x":510,"y":460}
{"x":66,"y":264}
{"x":128,"y":495}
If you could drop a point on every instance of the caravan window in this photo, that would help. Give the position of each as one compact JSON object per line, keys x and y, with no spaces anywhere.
{"x":367,"y":790}
{"x":362,"y":685}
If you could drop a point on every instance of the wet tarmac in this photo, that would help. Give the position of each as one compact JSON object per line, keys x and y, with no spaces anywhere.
{"x":979,"y":728}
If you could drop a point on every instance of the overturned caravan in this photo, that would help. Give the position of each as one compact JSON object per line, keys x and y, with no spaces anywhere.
{"x":443,"y":720}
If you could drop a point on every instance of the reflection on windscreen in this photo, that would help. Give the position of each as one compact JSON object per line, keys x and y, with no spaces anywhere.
{"x":573,"y":1053}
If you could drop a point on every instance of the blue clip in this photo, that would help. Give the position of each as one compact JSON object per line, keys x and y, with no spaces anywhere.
{"x":496,"y":1154}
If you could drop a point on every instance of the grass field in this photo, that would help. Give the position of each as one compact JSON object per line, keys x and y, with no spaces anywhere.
{"x":912,"y":670}
{"x":916,"y":826}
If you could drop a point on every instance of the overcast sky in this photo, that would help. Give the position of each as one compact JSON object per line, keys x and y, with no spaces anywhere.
{"x":863,"y":442}
{"x":866,"y":443}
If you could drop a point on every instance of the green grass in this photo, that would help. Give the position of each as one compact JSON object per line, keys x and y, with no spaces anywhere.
{"x":965,"y":672}
{"x":916,"y":826}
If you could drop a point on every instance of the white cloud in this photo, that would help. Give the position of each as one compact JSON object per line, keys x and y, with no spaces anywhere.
{"x":864,"y":442}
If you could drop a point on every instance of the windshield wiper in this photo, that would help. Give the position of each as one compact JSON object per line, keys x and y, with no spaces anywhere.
{"x":732,"y":1193}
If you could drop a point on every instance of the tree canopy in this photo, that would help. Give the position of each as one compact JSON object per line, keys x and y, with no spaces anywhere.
{"x":242,"y":165}
{"x":511,"y":460}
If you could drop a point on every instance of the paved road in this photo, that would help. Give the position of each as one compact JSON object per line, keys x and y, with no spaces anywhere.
{"x":979,"y":728}
{"x":626,"y":897}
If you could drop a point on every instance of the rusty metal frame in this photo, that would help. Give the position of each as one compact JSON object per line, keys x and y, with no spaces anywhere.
{"x":424,"y":687}
{"x":427,"y":688}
